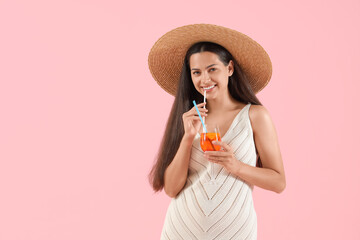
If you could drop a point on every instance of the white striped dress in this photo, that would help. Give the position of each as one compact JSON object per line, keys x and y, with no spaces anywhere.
{"x":222,"y":211}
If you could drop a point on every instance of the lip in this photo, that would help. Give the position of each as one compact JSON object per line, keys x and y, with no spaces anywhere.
{"x":209,"y":89}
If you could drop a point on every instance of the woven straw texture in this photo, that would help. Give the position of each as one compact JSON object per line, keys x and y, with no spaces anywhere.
{"x":167,"y":55}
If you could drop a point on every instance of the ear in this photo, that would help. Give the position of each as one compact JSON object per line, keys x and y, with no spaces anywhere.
{"x":230,"y":67}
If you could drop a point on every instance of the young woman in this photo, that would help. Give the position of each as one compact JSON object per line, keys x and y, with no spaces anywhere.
{"x":231,"y":68}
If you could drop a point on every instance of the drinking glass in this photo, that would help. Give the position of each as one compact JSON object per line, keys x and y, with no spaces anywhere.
{"x":213,"y":134}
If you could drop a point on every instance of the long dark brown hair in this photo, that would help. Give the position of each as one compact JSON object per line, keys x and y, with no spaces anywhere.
{"x":239,"y":89}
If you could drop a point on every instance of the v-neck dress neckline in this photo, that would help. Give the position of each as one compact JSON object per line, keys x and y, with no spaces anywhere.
{"x":233,"y":123}
{"x":202,"y":210}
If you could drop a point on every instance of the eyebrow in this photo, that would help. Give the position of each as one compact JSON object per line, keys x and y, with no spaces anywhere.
{"x":206,"y":67}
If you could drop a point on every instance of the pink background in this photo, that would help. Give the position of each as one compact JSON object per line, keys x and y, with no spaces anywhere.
{"x":76,"y":97}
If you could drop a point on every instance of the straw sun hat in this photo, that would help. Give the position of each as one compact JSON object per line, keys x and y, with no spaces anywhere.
{"x":167,"y":55}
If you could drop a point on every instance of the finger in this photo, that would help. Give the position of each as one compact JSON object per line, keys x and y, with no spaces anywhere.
{"x":214,"y":154}
{"x":186,"y":118}
{"x":200,"y":110}
{"x":201,"y":104}
{"x":226,"y":147}
{"x":194,"y":118}
{"x":194,"y":113}
{"x":215,"y":159}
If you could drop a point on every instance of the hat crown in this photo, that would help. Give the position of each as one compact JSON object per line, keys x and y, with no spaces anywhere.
{"x":167,"y":55}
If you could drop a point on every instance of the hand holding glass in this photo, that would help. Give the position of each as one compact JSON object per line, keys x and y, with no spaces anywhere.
{"x":206,"y":144}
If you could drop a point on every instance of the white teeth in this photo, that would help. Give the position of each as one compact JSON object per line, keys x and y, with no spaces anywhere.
{"x":209,"y":87}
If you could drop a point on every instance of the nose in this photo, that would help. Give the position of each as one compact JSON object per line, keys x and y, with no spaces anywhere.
{"x":205,"y":77}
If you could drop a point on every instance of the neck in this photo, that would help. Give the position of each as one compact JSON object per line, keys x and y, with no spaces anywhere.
{"x":221,"y":104}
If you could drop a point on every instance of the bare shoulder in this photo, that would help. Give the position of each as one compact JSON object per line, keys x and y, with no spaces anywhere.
{"x":259,"y":117}
{"x":266,"y":142}
{"x":257,"y":109}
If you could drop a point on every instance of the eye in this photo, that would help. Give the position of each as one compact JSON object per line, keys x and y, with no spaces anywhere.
{"x":212,"y":69}
{"x":196,"y":72}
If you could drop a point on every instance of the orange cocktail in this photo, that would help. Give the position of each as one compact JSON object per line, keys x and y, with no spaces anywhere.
{"x":206,"y":141}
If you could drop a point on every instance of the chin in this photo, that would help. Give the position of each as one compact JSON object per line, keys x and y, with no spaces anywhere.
{"x":211,"y":97}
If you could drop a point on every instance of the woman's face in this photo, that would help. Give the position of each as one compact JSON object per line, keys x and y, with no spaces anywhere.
{"x":210,"y":74}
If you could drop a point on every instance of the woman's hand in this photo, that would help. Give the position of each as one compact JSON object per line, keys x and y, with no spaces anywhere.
{"x":224,"y":157}
{"x":192,"y":121}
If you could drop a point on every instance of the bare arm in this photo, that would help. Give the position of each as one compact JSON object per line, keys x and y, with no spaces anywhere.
{"x":262,"y":177}
{"x":176,"y":173}
{"x":272,"y":175}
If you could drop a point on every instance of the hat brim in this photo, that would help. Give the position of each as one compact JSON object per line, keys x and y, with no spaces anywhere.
{"x":167,"y":55}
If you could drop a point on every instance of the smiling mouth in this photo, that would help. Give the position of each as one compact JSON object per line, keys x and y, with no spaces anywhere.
{"x":208,"y":88}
